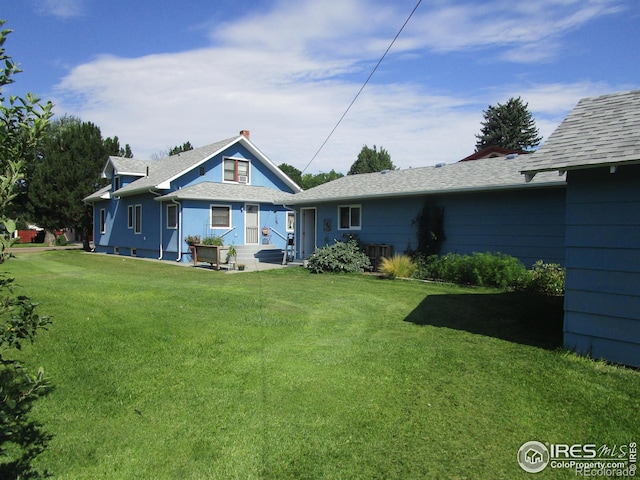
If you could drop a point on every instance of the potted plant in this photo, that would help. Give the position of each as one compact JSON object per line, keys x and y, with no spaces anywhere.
{"x":241,"y":267}
{"x":232,"y":252}
{"x":192,"y":239}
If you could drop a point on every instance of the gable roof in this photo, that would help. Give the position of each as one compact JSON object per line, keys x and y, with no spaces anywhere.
{"x":125,"y":166}
{"x":599,"y":131}
{"x":103,"y":194}
{"x":500,"y":173}
{"x":159,"y":174}
{"x":214,"y":191}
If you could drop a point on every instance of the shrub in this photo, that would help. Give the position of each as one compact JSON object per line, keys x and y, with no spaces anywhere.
{"x":398,"y":266}
{"x":217,"y":241}
{"x":339,"y":257}
{"x":544,"y":278}
{"x":483,"y":269}
{"x":192,"y":239}
{"x":61,"y":241}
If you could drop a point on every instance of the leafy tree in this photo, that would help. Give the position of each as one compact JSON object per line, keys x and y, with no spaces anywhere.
{"x":371,"y":160}
{"x":509,"y":126}
{"x":292,"y":172}
{"x":72,"y":158}
{"x":309,"y":180}
{"x":22,"y":124}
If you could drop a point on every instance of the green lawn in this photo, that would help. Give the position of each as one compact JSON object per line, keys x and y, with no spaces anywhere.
{"x":162,"y":371}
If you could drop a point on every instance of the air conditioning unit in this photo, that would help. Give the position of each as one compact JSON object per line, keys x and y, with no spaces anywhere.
{"x":243,"y":178}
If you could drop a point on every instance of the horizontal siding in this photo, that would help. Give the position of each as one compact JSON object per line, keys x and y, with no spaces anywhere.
{"x":603,"y":348}
{"x":527,"y":224}
{"x":601,"y":326}
{"x":602,"y":300}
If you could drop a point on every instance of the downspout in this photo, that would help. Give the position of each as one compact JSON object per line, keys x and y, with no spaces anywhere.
{"x":179,"y":229}
{"x":157,"y":195}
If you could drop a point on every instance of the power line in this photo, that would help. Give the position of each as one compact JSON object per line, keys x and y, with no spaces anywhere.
{"x":363,"y":85}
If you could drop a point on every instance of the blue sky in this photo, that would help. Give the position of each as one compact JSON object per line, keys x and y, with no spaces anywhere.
{"x":157,"y":73}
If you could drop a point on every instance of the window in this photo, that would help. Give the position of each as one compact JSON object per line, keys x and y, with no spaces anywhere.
{"x":349,"y":217}
{"x":130,"y":216}
{"x":137,"y":220}
{"x":236,"y":170}
{"x":172,"y":216}
{"x":220,"y":216}
{"x":116,"y":183}
{"x":103,"y":220}
{"x":202,"y":172}
{"x":291,"y":221}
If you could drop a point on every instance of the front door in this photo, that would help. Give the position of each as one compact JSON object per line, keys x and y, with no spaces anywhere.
{"x":251,"y":222}
{"x":308,"y":232}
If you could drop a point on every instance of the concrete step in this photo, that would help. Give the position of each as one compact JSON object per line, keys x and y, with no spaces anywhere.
{"x":262,"y":253}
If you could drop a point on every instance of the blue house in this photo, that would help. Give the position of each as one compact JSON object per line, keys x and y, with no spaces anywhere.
{"x":228,"y":189}
{"x":488,"y":207}
{"x":598,"y":147}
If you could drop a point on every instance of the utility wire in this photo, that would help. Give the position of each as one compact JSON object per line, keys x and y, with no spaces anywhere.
{"x":363,"y":85}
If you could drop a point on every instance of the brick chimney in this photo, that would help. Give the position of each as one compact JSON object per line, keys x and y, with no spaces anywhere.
{"x":245,"y":133}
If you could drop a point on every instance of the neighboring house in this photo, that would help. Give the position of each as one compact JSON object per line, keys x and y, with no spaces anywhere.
{"x":598,"y":146}
{"x":488,"y":207}
{"x":227,"y":189}
{"x":492,"y":151}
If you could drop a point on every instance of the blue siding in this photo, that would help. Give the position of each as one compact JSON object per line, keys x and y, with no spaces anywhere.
{"x":527,"y":224}
{"x":602,"y":301}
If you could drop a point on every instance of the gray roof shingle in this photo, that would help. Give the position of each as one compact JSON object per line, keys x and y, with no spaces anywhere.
{"x":214,"y":191}
{"x":601,"y":130}
{"x":164,"y":170}
{"x":489,"y":174}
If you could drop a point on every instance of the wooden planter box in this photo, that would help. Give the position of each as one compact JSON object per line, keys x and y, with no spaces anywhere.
{"x":211,"y":254}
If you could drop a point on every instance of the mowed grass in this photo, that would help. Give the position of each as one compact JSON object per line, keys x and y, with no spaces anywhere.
{"x":163,"y":372}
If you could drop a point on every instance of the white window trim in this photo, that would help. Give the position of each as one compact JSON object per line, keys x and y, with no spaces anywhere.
{"x":213,"y":227}
{"x":137,"y":219}
{"x":287,"y":227}
{"x":130,"y":219}
{"x":248,"y":162}
{"x":351,"y":227}
{"x":170,"y":227}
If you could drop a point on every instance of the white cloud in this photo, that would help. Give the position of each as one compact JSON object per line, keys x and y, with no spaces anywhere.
{"x":61,"y":8}
{"x":288,"y":74}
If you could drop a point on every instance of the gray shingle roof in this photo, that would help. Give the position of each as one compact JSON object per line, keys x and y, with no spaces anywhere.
{"x":101,"y":194}
{"x":127,"y":166}
{"x":488,"y":174}
{"x":601,"y":130}
{"x":164,"y":170}
{"x":228,"y":192}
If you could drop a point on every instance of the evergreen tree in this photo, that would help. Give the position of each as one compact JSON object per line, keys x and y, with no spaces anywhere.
{"x":185,"y":147}
{"x":371,"y":160}
{"x":509,"y":126}
{"x":72,"y":158}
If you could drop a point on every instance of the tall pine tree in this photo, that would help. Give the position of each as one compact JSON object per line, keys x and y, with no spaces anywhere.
{"x":68,"y":170}
{"x":509,"y":126}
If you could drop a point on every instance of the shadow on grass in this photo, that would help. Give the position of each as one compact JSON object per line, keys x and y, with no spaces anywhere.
{"x":516,"y":317}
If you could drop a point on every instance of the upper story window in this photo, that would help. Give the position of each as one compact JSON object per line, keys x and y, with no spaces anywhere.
{"x":116,"y":183}
{"x":349,"y":217}
{"x":236,"y":170}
